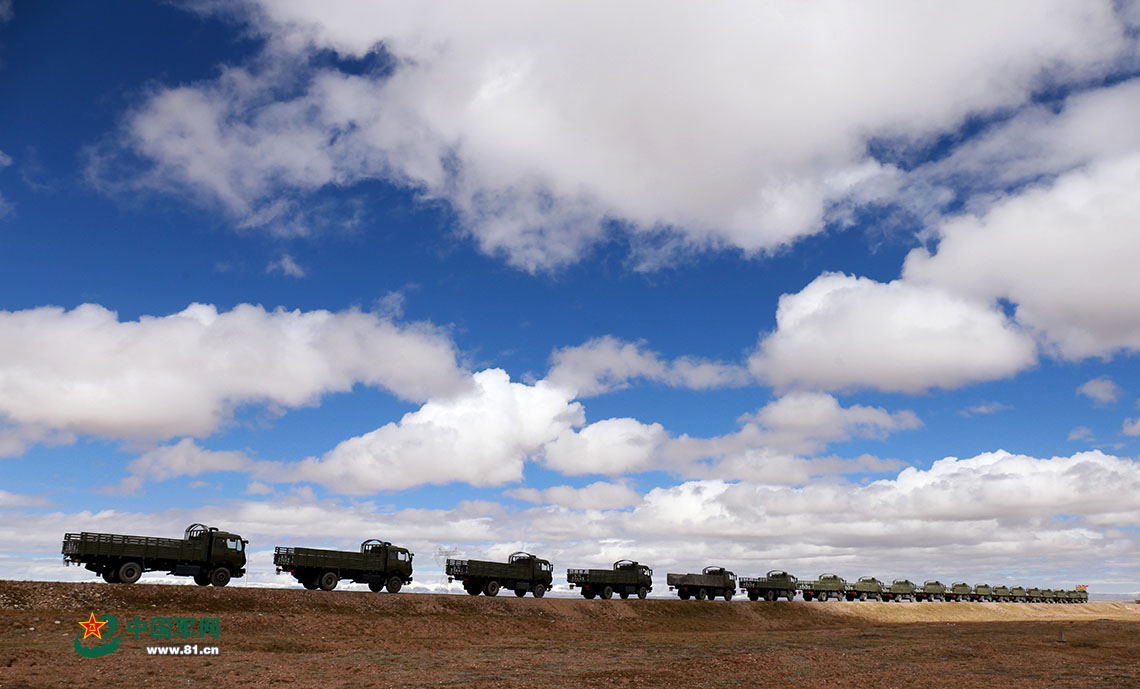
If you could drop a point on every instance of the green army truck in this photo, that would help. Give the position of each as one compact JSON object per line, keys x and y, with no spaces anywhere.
{"x":1002,"y":595}
{"x":825,"y":587}
{"x":627,"y":577}
{"x":960,"y":591}
{"x":378,"y":564}
{"x":1017,"y":594}
{"x":1048,"y":596}
{"x":867,"y":588}
{"x":521,"y":572}
{"x":900,"y":590}
{"x":775,"y":584}
{"x":708,"y":585}
{"x":205,"y":553}
{"x":932,"y":590}
{"x":983,"y":593}
{"x":1033,"y":595}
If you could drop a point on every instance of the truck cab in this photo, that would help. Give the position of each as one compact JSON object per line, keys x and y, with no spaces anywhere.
{"x":227,"y":549}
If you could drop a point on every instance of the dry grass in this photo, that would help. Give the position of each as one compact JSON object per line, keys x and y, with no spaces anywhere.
{"x":304,"y":639}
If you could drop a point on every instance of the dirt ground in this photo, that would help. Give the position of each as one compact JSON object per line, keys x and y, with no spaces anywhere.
{"x":297,"y":638}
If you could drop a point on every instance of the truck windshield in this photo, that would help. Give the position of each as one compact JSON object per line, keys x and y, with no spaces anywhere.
{"x":234,"y":544}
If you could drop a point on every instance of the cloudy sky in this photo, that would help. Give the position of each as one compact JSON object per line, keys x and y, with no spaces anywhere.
{"x":803,"y":285}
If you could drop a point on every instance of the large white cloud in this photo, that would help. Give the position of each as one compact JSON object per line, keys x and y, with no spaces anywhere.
{"x":539,"y":123}
{"x":85,"y":371}
{"x":482,"y":438}
{"x":844,"y":332}
{"x":1064,"y":252}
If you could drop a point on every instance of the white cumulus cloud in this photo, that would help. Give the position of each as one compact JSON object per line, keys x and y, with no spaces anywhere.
{"x":746,"y":139}
{"x":85,"y":371}
{"x":844,"y":332}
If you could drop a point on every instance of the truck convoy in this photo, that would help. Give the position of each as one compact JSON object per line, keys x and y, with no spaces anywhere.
{"x":212,"y":556}
{"x":521,"y":573}
{"x":708,"y":585}
{"x":378,"y":564}
{"x":205,"y":553}
{"x":626,"y":578}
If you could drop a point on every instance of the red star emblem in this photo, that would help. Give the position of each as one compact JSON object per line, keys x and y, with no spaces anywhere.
{"x":93,"y":627}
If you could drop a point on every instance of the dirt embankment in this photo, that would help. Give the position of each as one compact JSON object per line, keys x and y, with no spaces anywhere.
{"x":346,"y":638}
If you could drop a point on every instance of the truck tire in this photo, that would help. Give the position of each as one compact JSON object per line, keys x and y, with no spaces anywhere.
{"x":520,"y":590}
{"x":607,"y":592}
{"x":790,"y":595}
{"x":220,"y":577}
{"x":589,"y":594}
{"x":624,"y":595}
{"x":702,"y":594}
{"x":538,"y":591}
{"x":202,"y":579}
{"x":683,"y":594}
{"x":753,"y":595}
{"x":491,"y":588}
{"x":642,"y":592}
{"x":394,"y":584}
{"x":862,"y":597}
{"x":328,"y":581}
{"x":129,"y":572}
{"x":808,"y":595}
{"x":375,"y":586}
{"x":770,"y":596}
{"x":471,"y":589}
{"x":110,"y":576}
{"x":727,"y":596}
{"x":310,"y":584}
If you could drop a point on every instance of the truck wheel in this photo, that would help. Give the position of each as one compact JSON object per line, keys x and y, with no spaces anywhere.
{"x":220,"y":577}
{"x":589,"y":594}
{"x":770,"y":595}
{"x":310,"y":583}
{"x":624,"y":595}
{"x":538,"y":591}
{"x":375,"y":586}
{"x":607,"y":592}
{"x":491,"y":588}
{"x":727,"y":596}
{"x":328,"y":581}
{"x":202,"y":579}
{"x":394,"y":584}
{"x":753,"y":595}
{"x":110,"y":576}
{"x":702,"y":594}
{"x":471,"y":589}
{"x":520,"y":590}
{"x":642,"y":593}
{"x":808,"y":595}
{"x":683,"y":594}
{"x":790,"y":595}
{"x":130,"y":572}
{"x":862,"y":597}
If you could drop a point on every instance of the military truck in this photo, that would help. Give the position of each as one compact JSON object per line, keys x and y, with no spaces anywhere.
{"x":983,"y":593}
{"x":1001,"y":594}
{"x":521,"y":572}
{"x":378,"y":564}
{"x":900,"y":590}
{"x":627,"y":577}
{"x":932,"y":590}
{"x":205,"y":553}
{"x":960,"y":591}
{"x":1017,"y":594}
{"x":1048,"y":596}
{"x":1033,"y":595}
{"x":867,"y":587}
{"x":710,"y":583}
{"x":826,"y":586}
{"x":775,"y":584}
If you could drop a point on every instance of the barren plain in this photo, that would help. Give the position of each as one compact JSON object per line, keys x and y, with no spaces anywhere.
{"x":297,"y":638}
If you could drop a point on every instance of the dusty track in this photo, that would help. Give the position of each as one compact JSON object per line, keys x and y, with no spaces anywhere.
{"x":274,"y":637}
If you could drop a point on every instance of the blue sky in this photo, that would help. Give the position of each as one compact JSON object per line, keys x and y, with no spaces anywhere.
{"x":763,"y":285}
